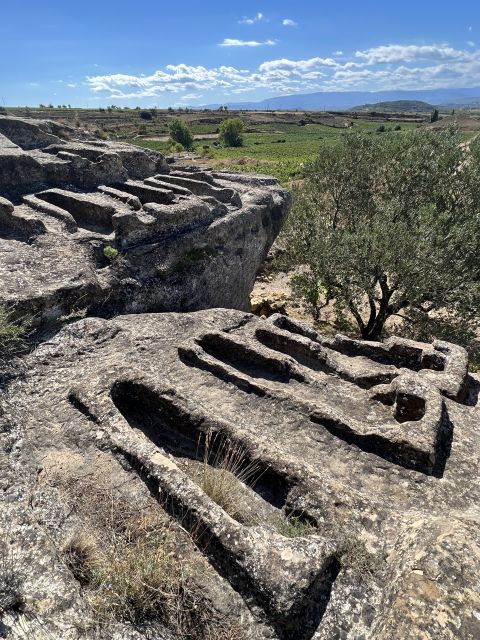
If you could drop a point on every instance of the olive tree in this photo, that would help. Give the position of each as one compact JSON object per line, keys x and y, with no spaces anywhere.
{"x":180,"y":133}
{"x":390,"y":225}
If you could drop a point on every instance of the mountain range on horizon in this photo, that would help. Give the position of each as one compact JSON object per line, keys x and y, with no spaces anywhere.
{"x":343,"y":100}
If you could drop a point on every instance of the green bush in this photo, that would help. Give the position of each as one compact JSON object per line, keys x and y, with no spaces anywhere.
{"x":180,"y":132}
{"x":174,"y":147}
{"x":231,"y":132}
{"x":111,"y":253}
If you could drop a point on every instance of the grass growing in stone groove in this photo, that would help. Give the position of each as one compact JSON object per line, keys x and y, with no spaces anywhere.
{"x":291,"y":526}
{"x":225,"y":466}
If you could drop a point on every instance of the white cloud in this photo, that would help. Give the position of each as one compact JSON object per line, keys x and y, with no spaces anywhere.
{"x":471,"y":43}
{"x":33,"y":84}
{"x":191,"y":96}
{"x":382,"y":67}
{"x":297,"y":65}
{"x":287,"y":22}
{"x":72,"y":85}
{"x":233,"y":42}
{"x":338,"y":53}
{"x":258,"y":18}
{"x":408,"y":53}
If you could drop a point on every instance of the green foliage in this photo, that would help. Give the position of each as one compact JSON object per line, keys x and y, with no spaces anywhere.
{"x":180,"y":132}
{"x":396,"y":106}
{"x":110,"y":252}
{"x":388,"y":225}
{"x":435,"y":116}
{"x":13,"y":332}
{"x":145,"y":115}
{"x":205,"y":152}
{"x":285,"y":161}
{"x":174,"y":147}
{"x":231,"y":132}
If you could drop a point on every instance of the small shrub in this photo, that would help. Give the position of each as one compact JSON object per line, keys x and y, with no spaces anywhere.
{"x":231,"y":132}
{"x":146,"y":115}
{"x":174,"y":147}
{"x":13,"y":332}
{"x":129,"y":576}
{"x":352,"y":554}
{"x":381,"y":129}
{"x":111,"y":253}
{"x":316,"y":297}
{"x":474,"y":366}
{"x":292,"y":526}
{"x":206,"y":152}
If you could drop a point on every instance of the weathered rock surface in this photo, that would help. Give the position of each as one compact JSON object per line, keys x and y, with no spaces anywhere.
{"x":186,"y":239}
{"x":375,"y":444}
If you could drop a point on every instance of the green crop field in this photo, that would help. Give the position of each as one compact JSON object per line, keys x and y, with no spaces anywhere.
{"x":278,"y":149}
{"x":277,"y":143}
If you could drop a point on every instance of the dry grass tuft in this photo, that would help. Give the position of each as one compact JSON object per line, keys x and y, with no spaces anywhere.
{"x":352,"y":554}
{"x":80,"y":555}
{"x":226,"y":466}
{"x":293,"y":526}
{"x":131,"y":570}
{"x":13,"y":332}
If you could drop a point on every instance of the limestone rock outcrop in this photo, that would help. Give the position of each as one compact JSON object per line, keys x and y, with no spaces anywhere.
{"x":186,"y":239}
{"x":372,"y":447}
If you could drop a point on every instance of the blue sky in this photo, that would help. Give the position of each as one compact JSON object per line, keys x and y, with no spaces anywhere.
{"x":153,"y":53}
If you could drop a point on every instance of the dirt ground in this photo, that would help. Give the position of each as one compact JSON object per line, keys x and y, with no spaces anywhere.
{"x":273,"y":293}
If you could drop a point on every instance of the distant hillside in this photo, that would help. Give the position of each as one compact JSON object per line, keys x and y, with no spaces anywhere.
{"x":397,"y":106}
{"x":344,"y":100}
